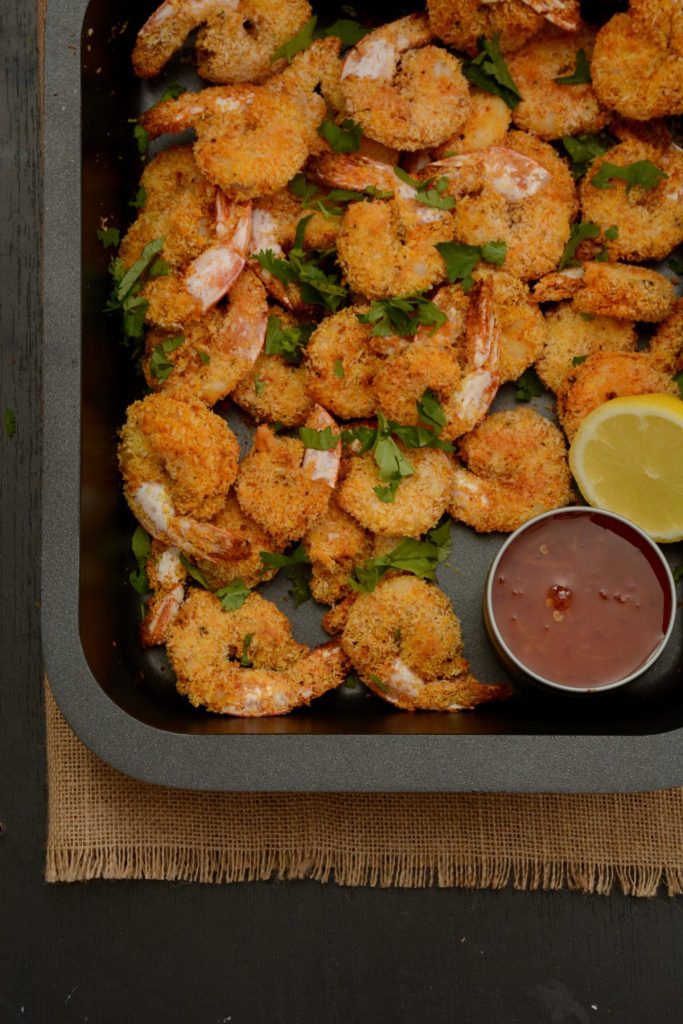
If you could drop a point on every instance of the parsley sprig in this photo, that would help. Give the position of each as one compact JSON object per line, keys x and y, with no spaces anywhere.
{"x":640,"y":174}
{"x":430,"y":192}
{"x":160,"y":365}
{"x":140,"y":546}
{"x":420,"y":557}
{"x":581,"y":74}
{"x":298,"y":565}
{"x":584,"y":149}
{"x":341,"y":138}
{"x":348,"y":30}
{"x":461,"y":259}
{"x":128,"y":284}
{"x":317,"y":285}
{"x":579,"y":233}
{"x":489,"y":71}
{"x":402,"y":315}
{"x":288,"y":342}
{"x":332,"y":203}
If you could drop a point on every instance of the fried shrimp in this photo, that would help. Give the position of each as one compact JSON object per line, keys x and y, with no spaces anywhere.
{"x":459,"y":362}
{"x":178,"y":461}
{"x":246,"y":662}
{"x":462,"y":23}
{"x":637,"y":65}
{"x":386,"y":247}
{"x":610,"y":289}
{"x":420,"y":499}
{"x":404,"y":93}
{"x":548,"y":108}
{"x":235,"y":43}
{"x":336,"y":543}
{"x":520,"y":324}
{"x":517,"y":469}
{"x":216,"y":352}
{"x":249,"y":568}
{"x":404,"y":640}
{"x":571,"y":336}
{"x":275,"y":391}
{"x":521,"y":193}
{"x":341,"y":365}
{"x":487,"y":125}
{"x":650,"y":220}
{"x":604,"y":376}
{"x":666,"y":347}
{"x":284,"y":486}
{"x":166,"y":574}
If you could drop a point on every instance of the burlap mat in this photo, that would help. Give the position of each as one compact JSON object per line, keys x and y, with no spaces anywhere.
{"x":104,"y":825}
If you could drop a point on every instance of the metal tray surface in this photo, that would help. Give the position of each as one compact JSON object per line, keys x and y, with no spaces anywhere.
{"x":121,"y":701}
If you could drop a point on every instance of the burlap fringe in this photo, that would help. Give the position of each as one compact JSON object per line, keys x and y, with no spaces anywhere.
{"x":402,"y":870}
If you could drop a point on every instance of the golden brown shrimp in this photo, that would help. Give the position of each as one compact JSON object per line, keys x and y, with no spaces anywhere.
{"x":236,"y":40}
{"x":178,"y":461}
{"x":487,"y":125}
{"x":246,"y":662}
{"x":610,"y":289}
{"x":548,"y":108}
{"x":604,"y":376}
{"x":650,"y":221}
{"x":572,"y":336}
{"x":462,"y":23}
{"x":216,"y":352}
{"x":459,"y":362}
{"x":249,"y":568}
{"x":386,"y":247}
{"x":166,"y":574}
{"x":517,"y":469}
{"x":404,"y":640}
{"x":275,"y":391}
{"x":666,"y":347}
{"x":637,"y":65}
{"x":520,"y":324}
{"x":284,"y":486}
{"x":405,"y":93}
{"x":420,"y":500}
{"x":341,"y":365}
{"x":521,"y":193}
{"x":335,"y":543}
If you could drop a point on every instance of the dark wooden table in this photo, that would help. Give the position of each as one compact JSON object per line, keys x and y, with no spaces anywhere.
{"x":141,"y":953}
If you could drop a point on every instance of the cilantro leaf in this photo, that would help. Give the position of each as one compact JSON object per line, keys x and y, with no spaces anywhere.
{"x":579,"y":233}
{"x":343,"y":138}
{"x":140,"y":546}
{"x":489,"y":71}
{"x":259,"y":386}
{"x":194,"y":572}
{"x":109,"y":237}
{"x":319,"y":440}
{"x":299,"y":556}
{"x":245,"y":660}
{"x":172,"y":92}
{"x":431,"y":192}
{"x":581,"y":74}
{"x":584,"y":149}
{"x":378,"y":683}
{"x":288,"y":342}
{"x":528,"y":386}
{"x":330,"y":204}
{"x":420,"y":557}
{"x":348,"y":30}
{"x":298,"y":42}
{"x":640,"y":174}
{"x":338,"y":369}
{"x":300,"y":591}
{"x":160,"y":366}
{"x":204,"y":357}
{"x":402,"y":315}
{"x":128,"y":283}
{"x":134,"y":273}
{"x":578,"y":360}
{"x":461,"y":259}
{"x":233,"y":596}
{"x":430,"y":411}
{"x":299,"y":565}
{"x":141,"y":137}
{"x":10,"y":422}
{"x":140,"y":198}
{"x":317,"y":285}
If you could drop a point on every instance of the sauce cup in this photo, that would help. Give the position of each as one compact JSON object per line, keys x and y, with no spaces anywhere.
{"x":579,"y":600}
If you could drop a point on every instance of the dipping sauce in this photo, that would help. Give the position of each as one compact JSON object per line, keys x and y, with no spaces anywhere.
{"x":581,"y":598}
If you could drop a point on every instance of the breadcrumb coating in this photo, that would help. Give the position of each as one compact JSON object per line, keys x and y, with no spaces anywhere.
{"x":571,"y":335}
{"x":462,"y":23}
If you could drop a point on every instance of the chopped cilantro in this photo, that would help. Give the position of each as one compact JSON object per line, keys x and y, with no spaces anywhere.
{"x":430,"y":411}
{"x":489,"y":71}
{"x":584,"y":149}
{"x":140,"y":545}
{"x":159,"y":364}
{"x":343,"y":138}
{"x":461,"y":259}
{"x":352,"y":681}
{"x":300,"y":591}
{"x":300,"y":41}
{"x":378,"y":683}
{"x":109,"y":237}
{"x":319,"y":440}
{"x":245,"y":660}
{"x":612,"y":233}
{"x":298,"y":556}
{"x":288,"y":342}
{"x":194,"y":572}
{"x":317,"y":285}
{"x":579,"y":233}
{"x":330,"y":204}
{"x":128,"y":283}
{"x":578,"y":360}
{"x":172,"y":92}
{"x":140,"y":198}
{"x":204,"y":357}
{"x":641,"y":174}
{"x":402,"y":315}
{"x":233,"y":596}
{"x":348,"y":30}
{"x":431,"y":192}
{"x":141,"y":137}
{"x":10,"y":422}
{"x":581,"y":74}
{"x":528,"y":386}
{"x":298,"y":564}
{"x":338,"y":369}
{"x":259,"y":386}
{"x":420,"y":557}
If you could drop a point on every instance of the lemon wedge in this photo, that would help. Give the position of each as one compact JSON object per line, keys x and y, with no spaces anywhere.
{"x":627,"y":457}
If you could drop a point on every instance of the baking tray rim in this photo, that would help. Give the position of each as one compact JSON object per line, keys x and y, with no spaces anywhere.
{"x":326,"y":762}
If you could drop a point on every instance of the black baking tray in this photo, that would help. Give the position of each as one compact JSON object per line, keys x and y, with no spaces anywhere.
{"x":120,"y":701}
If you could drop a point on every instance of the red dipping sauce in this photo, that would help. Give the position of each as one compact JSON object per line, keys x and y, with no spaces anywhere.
{"x":581,"y":599}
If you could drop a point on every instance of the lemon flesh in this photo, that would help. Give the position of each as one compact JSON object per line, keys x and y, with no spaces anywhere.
{"x":627,"y":457}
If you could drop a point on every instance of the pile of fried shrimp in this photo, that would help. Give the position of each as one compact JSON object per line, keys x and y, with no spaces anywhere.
{"x":374,"y":229}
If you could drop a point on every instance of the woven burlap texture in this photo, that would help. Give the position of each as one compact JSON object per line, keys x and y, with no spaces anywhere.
{"x":105,"y":825}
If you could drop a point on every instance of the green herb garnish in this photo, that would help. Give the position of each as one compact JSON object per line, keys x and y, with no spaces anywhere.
{"x":172,"y":92}
{"x":528,"y":386}
{"x":140,"y":545}
{"x":233,"y":596}
{"x":319,"y":440}
{"x":489,"y":71}
{"x":300,"y":41}
{"x":288,"y":342}
{"x":245,"y":660}
{"x":420,"y":557}
{"x":159,"y":365}
{"x":194,"y":572}
{"x":578,"y":360}
{"x":579,"y":233}
{"x":338,"y":369}
{"x":402,"y":315}
{"x":299,"y":565}
{"x":641,"y":174}
{"x":431,"y":192}
{"x":141,"y":137}
{"x":128,"y":284}
{"x":109,"y":237}
{"x":584,"y":149}
{"x":317,"y":285}
{"x":581,"y":74}
{"x":140,"y":198}
{"x":461,"y":259}
{"x":348,"y":30}
{"x":343,"y":138}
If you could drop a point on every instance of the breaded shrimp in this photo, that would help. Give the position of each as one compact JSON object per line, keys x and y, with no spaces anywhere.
{"x":520,"y":324}
{"x":548,"y":108}
{"x":517,"y":469}
{"x":284,"y":486}
{"x":341,"y":365}
{"x":217,"y":351}
{"x":335,"y":543}
{"x":604,"y":376}
{"x":420,"y":500}
{"x":235,"y":43}
{"x":404,"y":640}
{"x":571,"y":336}
{"x":166,"y":574}
{"x":487,"y":125}
{"x":275,"y":391}
{"x":637,"y":65}
{"x":521,"y":193}
{"x":404,"y":93}
{"x":462,"y":23}
{"x":610,"y":289}
{"x":666,"y":347}
{"x":245,"y":662}
{"x":249,"y":567}
{"x":650,"y":221}
{"x":178,"y":461}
